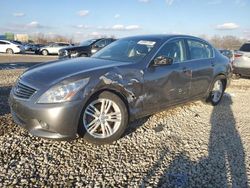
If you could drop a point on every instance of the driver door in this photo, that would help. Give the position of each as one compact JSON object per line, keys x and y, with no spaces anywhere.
{"x":170,"y":84}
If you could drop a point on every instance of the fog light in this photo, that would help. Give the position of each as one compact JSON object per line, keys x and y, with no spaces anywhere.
{"x":43,"y":124}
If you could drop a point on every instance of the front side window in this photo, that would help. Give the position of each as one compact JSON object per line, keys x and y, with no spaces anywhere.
{"x":100,"y":43}
{"x":127,"y":50}
{"x":199,"y":50}
{"x":63,"y":44}
{"x":174,"y":50}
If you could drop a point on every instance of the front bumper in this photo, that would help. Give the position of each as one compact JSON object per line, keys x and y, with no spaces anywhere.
{"x":53,"y":121}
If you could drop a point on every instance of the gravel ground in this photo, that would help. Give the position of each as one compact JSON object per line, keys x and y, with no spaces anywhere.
{"x":194,"y":145}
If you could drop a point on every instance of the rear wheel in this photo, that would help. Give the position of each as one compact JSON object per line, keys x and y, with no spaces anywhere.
{"x":104,"y":119}
{"x":45,"y":52}
{"x":217,"y":91}
{"x":9,"y":51}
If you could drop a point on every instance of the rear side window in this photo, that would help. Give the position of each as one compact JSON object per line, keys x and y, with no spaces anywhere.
{"x":2,"y":42}
{"x":199,"y":50}
{"x":245,"y":47}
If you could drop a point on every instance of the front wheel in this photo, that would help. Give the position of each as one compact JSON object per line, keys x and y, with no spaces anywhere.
{"x":217,"y":91}
{"x":104,"y":119}
{"x":45,"y":52}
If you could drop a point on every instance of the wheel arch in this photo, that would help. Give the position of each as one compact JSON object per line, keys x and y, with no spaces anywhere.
{"x":219,"y":75}
{"x":223,"y":77}
{"x":121,"y":94}
{"x":80,"y":130}
{"x":9,"y":49}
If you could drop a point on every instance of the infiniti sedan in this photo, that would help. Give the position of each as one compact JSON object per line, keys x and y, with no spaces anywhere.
{"x":97,"y":97}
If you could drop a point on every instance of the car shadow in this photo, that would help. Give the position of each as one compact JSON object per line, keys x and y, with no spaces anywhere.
{"x":4,"y":95}
{"x":223,"y":167}
{"x":134,"y":125}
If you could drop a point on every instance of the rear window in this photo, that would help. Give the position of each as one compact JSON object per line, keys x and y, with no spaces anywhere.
{"x":245,"y":47}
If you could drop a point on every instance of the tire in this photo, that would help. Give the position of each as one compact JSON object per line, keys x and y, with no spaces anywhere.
{"x":45,"y":52}
{"x":99,"y":127}
{"x":9,"y":51}
{"x":217,"y":91}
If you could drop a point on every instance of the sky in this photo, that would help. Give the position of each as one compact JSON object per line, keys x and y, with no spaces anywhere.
{"x":81,"y":19}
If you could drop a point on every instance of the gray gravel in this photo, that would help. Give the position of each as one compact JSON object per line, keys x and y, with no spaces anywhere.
{"x":194,"y":145}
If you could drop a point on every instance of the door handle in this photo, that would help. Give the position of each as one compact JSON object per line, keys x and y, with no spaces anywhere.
{"x":212,"y":63}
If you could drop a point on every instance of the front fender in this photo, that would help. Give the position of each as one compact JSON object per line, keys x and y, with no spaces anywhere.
{"x":128,"y":83}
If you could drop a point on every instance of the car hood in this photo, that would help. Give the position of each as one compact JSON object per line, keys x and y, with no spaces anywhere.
{"x":72,"y":48}
{"x":53,"y":72}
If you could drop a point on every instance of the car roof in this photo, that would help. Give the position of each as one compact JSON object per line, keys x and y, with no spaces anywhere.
{"x":5,"y":40}
{"x":163,"y":36}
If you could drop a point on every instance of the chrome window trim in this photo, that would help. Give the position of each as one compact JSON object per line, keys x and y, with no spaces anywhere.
{"x":183,"y":38}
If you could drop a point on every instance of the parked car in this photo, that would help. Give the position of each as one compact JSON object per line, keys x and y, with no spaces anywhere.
{"x":242,"y":60}
{"x":10,"y":47}
{"x":29,"y":47}
{"x":132,"y":77}
{"x":53,"y":48}
{"x":85,"y":49}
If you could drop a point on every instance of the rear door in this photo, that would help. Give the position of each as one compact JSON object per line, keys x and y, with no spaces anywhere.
{"x":202,"y":62}
{"x":56,"y":48}
{"x":167,"y":84}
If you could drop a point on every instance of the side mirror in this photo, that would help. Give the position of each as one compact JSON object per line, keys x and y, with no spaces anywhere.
{"x":162,"y":60}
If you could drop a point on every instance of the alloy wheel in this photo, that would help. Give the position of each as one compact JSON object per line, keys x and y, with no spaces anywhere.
{"x":102,"y":118}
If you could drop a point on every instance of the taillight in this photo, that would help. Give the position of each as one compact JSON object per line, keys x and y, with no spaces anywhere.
{"x":237,"y":55}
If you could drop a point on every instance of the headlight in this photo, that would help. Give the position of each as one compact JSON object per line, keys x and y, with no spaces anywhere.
{"x":93,"y":50}
{"x":62,"y":92}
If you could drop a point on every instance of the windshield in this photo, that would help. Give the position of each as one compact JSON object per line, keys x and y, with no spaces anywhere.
{"x":126,"y":50}
{"x":88,"y":42}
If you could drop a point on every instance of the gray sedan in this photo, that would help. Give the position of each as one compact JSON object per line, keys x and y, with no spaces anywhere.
{"x":133,"y":77}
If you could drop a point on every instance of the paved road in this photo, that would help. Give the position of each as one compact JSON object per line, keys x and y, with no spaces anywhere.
{"x":22,"y":60}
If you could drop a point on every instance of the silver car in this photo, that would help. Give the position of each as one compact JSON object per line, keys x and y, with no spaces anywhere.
{"x":53,"y":48}
{"x":242,"y":60}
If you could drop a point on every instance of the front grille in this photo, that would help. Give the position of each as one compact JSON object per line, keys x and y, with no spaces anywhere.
{"x":23,"y":91}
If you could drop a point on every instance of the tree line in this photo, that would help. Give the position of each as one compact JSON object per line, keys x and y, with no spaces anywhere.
{"x":220,"y":42}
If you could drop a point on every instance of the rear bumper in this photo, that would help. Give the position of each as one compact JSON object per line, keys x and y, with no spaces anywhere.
{"x":53,"y":121}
